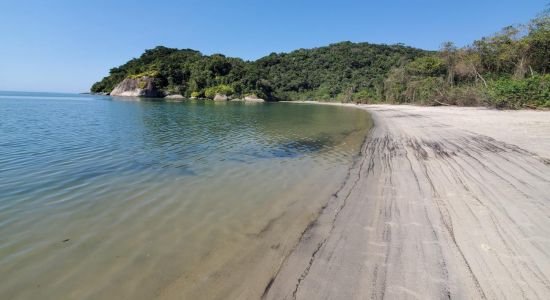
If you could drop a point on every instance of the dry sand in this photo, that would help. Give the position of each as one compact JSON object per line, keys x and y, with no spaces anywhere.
{"x":444,"y":202}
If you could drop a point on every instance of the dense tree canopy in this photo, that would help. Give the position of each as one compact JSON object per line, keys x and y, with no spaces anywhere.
{"x":325,"y":73}
{"x":508,"y":69}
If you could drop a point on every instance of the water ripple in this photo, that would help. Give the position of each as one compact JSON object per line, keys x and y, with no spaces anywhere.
{"x":99,"y":196}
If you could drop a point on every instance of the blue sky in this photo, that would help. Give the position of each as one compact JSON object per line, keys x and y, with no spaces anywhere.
{"x":66,"y":45}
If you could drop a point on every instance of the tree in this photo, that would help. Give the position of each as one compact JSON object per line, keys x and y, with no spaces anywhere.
{"x":427,"y":66}
{"x":219,"y":89}
{"x":538,"y":39}
{"x":449,"y":55}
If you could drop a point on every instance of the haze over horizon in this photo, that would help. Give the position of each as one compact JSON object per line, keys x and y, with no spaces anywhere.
{"x":65,"y":46}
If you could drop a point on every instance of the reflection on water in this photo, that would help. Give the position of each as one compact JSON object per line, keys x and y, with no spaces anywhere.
{"x":105,"y":199}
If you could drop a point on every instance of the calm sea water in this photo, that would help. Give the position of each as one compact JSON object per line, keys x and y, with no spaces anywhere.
{"x":108,"y":199}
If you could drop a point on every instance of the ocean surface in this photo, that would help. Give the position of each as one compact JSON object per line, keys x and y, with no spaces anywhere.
{"x":104,"y":198}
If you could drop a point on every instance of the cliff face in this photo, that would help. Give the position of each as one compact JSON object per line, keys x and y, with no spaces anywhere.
{"x":137,"y":87}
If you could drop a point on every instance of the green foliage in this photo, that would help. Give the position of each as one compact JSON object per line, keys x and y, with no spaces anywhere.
{"x":465,"y":95}
{"x":366,"y":96}
{"x":538,"y":39}
{"x":427,"y":66}
{"x":151,"y":73}
{"x":223,"y":89}
{"x":425,"y":90}
{"x":506,"y":70}
{"x":338,"y":71}
{"x":395,"y":86}
{"x":196,"y":94}
{"x":519,"y":93}
{"x":141,"y":84}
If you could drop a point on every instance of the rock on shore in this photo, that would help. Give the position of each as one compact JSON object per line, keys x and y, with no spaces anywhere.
{"x":174,"y":97}
{"x":137,"y":87}
{"x":253,"y":98}
{"x":220,"y":97}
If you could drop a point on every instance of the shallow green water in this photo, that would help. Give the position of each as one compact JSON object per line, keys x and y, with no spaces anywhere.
{"x":105,"y":199}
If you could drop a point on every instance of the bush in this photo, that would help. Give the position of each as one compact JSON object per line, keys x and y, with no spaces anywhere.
{"x":144,"y":74}
{"x":517,"y":93}
{"x":219,"y":89}
{"x":424,"y":91}
{"x":365,"y":96}
{"x":141,"y":84}
{"x":427,"y":66}
{"x":467,"y":95}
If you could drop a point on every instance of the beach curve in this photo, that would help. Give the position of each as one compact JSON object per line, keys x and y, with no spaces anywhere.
{"x":444,"y":202}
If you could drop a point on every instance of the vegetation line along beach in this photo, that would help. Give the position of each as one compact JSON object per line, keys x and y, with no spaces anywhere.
{"x":444,"y":203}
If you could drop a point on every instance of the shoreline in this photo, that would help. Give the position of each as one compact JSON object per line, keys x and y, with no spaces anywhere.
{"x":443,"y":202}
{"x":205,"y":214}
{"x":273,"y":243}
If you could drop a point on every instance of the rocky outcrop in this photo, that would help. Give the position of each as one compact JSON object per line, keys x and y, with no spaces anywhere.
{"x":174,"y":97}
{"x":253,"y":98}
{"x":137,"y":87}
{"x":220,"y":97}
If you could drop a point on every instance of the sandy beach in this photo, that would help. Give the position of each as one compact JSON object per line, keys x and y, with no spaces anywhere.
{"x":444,"y":202}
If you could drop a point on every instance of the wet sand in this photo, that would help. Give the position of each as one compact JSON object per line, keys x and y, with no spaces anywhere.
{"x":444,"y":202}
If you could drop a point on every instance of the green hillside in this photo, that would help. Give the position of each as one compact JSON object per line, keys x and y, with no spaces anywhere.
{"x":509,"y":70}
{"x":325,"y":73}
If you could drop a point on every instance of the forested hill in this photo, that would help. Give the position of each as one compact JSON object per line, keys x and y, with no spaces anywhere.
{"x":344,"y":71}
{"x":509,"y":69}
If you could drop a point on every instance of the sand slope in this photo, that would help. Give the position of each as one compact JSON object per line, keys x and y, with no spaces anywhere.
{"x":443,"y":203}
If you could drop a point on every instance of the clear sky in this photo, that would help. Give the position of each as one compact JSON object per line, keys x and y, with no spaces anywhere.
{"x":66,"y":45}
